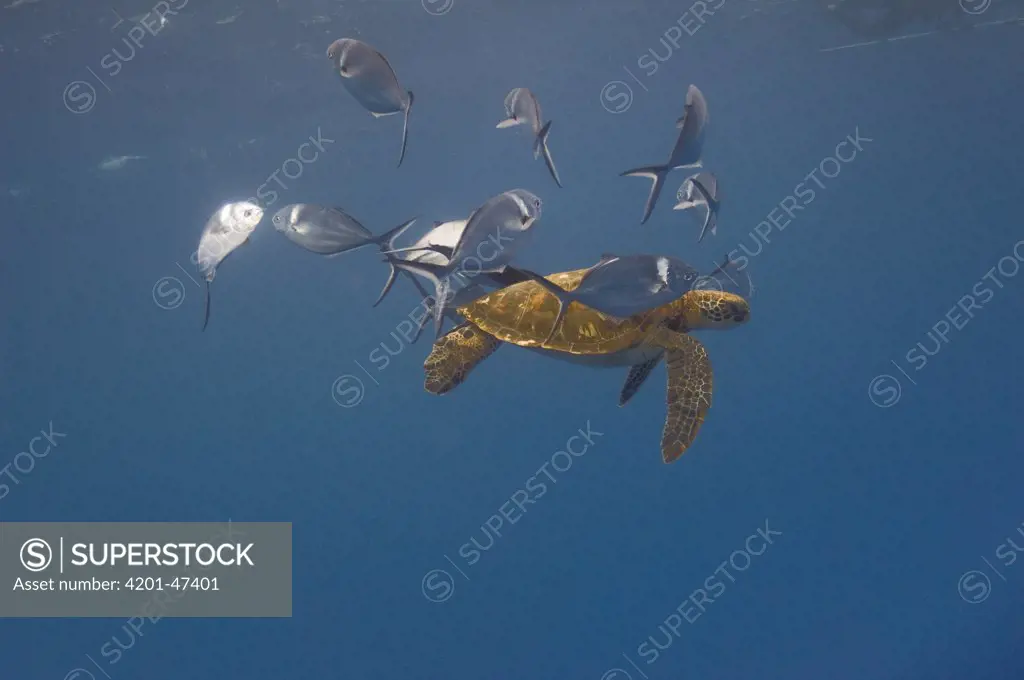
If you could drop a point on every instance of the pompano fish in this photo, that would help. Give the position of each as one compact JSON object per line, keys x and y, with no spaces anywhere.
{"x":624,"y":285}
{"x":368,"y":77}
{"x":502,"y":225}
{"x":332,"y":231}
{"x":686,"y":153}
{"x":227,"y":229}
{"x":439,"y":244}
{"x":701,"y":190}
{"x":443,"y":235}
{"x":522,"y":108}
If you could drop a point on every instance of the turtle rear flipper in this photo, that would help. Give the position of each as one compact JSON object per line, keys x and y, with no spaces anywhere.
{"x":636,"y":377}
{"x":455,"y":355}
{"x":689,"y":392}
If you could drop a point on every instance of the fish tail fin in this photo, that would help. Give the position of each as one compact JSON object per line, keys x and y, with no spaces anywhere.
{"x":657,"y":174}
{"x":206,"y":315}
{"x":437,"y":275}
{"x":541,"y":139}
{"x":563,"y":296}
{"x":710,"y":223}
{"x":405,"y":125}
{"x":386,"y":241}
{"x":507,"y":123}
{"x":540,"y":146}
{"x":392,"y":273}
{"x":711,"y":204}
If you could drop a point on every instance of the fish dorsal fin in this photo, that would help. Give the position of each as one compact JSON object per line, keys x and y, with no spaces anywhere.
{"x":465,"y":230}
{"x":388,"y":64}
{"x":605,"y":259}
{"x":341,"y":213}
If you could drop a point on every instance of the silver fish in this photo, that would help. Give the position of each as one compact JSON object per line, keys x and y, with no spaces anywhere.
{"x":522,"y":108}
{"x":439,"y":244}
{"x":368,"y":77}
{"x":332,"y":231}
{"x":502,"y":225}
{"x":624,"y":285}
{"x":443,"y":234}
{"x":701,"y":190}
{"x":228,"y":228}
{"x":686,"y":153}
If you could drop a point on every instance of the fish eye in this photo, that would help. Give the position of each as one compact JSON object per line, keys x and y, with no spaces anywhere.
{"x":248,"y":212}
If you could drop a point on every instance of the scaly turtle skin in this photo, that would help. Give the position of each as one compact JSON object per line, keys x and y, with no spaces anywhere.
{"x":523,"y":314}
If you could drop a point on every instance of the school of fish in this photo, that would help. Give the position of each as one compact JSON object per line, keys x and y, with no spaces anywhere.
{"x":459,"y":259}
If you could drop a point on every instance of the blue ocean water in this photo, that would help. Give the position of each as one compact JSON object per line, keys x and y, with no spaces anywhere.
{"x":863,"y":436}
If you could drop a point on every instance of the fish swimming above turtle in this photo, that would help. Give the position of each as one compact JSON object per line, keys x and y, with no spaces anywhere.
{"x":624,"y":285}
{"x":369,"y":77}
{"x":523,"y":314}
{"x":701,"y":191}
{"x":686,"y":153}
{"x":435,"y":249}
{"x":522,"y":108}
{"x":507,"y":217}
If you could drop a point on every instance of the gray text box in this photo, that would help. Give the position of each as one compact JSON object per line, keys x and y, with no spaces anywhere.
{"x":150,"y":569}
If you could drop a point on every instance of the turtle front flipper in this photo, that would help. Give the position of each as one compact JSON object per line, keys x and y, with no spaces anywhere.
{"x":455,"y":355}
{"x":689,"y":392}
{"x":637,"y":375}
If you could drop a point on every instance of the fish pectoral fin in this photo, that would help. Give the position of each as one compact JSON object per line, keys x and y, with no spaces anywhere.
{"x":206,"y":312}
{"x":688,"y":397}
{"x":447,"y":251}
{"x":507,"y":123}
{"x":407,"y":109}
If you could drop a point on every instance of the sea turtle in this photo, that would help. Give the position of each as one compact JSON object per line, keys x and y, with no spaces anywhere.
{"x":523,"y":314}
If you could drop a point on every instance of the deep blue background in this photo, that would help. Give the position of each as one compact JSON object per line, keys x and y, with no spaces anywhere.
{"x":881,"y":510}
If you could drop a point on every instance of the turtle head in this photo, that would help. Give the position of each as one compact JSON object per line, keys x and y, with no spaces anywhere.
{"x":713,"y":310}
